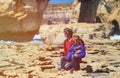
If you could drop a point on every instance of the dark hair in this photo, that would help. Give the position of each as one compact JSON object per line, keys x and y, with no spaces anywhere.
{"x":81,"y":41}
{"x":77,"y":36}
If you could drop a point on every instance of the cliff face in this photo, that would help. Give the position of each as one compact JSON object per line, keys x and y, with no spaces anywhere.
{"x":107,"y":11}
{"x":20,"y":19}
{"x":57,"y":14}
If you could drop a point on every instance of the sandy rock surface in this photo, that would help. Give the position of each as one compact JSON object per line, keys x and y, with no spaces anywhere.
{"x":25,"y":60}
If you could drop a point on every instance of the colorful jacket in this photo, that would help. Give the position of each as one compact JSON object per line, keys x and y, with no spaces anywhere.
{"x":67,"y":44}
{"x":73,"y":49}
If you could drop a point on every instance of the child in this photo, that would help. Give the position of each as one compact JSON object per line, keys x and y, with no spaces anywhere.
{"x":75,"y":53}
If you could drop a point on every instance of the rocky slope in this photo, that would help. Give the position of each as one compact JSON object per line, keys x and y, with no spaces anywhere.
{"x":25,"y":60}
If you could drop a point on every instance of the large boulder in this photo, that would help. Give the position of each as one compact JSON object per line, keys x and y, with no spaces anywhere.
{"x":20,"y":19}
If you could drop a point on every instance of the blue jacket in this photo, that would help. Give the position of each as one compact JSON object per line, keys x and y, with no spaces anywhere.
{"x":72,"y":51}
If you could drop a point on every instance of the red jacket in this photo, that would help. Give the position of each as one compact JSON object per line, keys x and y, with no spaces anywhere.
{"x":67,"y":44}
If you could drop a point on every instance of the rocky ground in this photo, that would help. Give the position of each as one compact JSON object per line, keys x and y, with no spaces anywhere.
{"x":25,"y":60}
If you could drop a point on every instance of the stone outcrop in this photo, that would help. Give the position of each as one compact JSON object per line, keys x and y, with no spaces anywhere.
{"x":86,"y":31}
{"x":20,"y":19}
{"x":108,"y":10}
{"x":26,"y":60}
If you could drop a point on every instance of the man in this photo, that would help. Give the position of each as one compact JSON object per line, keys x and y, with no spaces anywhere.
{"x":68,"y":41}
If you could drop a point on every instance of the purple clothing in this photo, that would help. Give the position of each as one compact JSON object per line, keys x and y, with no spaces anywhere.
{"x":73,"y":49}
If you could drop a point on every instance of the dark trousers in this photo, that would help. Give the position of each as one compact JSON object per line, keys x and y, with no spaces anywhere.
{"x":68,"y":64}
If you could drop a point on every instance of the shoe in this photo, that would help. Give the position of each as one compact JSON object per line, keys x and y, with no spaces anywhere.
{"x":72,"y":70}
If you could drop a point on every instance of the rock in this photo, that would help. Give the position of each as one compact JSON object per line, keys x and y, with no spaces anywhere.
{"x":28,"y":61}
{"x":16,"y":17}
{"x":34,"y":68}
{"x":44,"y":67}
{"x":87,"y":36}
{"x":10,"y":73}
{"x":114,"y":75}
{"x":86,"y":31}
{"x":89,"y":69}
{"x":108,"y":10}
{"x":23,"y":75}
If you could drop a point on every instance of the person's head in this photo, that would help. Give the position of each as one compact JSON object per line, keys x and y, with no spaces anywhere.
{"x":75,"y":40}
{"x":68,"y":32}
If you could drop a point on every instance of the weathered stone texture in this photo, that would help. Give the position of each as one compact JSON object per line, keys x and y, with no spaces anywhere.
{"x":20,"y":19}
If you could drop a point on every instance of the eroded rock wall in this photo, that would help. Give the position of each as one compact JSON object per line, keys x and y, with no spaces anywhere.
{"x":86,"y":31}
{"x":107,"y":11}
{"x":20,"y":19}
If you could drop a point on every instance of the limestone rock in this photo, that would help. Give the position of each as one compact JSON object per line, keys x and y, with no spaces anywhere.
{"x":31,"y":61}
{"x":86,"y":31}
{"x":107,"y":11}
{"x":20,"y":19}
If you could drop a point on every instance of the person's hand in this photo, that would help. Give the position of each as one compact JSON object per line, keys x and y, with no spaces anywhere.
{"x":76,"y":55}
{"x":78,"y":51}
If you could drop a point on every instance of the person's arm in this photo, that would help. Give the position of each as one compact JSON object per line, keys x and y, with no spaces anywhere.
{"x":83,"y":52}
{"x":63,"y":53}
{"x":69,"y":55}
{"x":78,"y":51}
